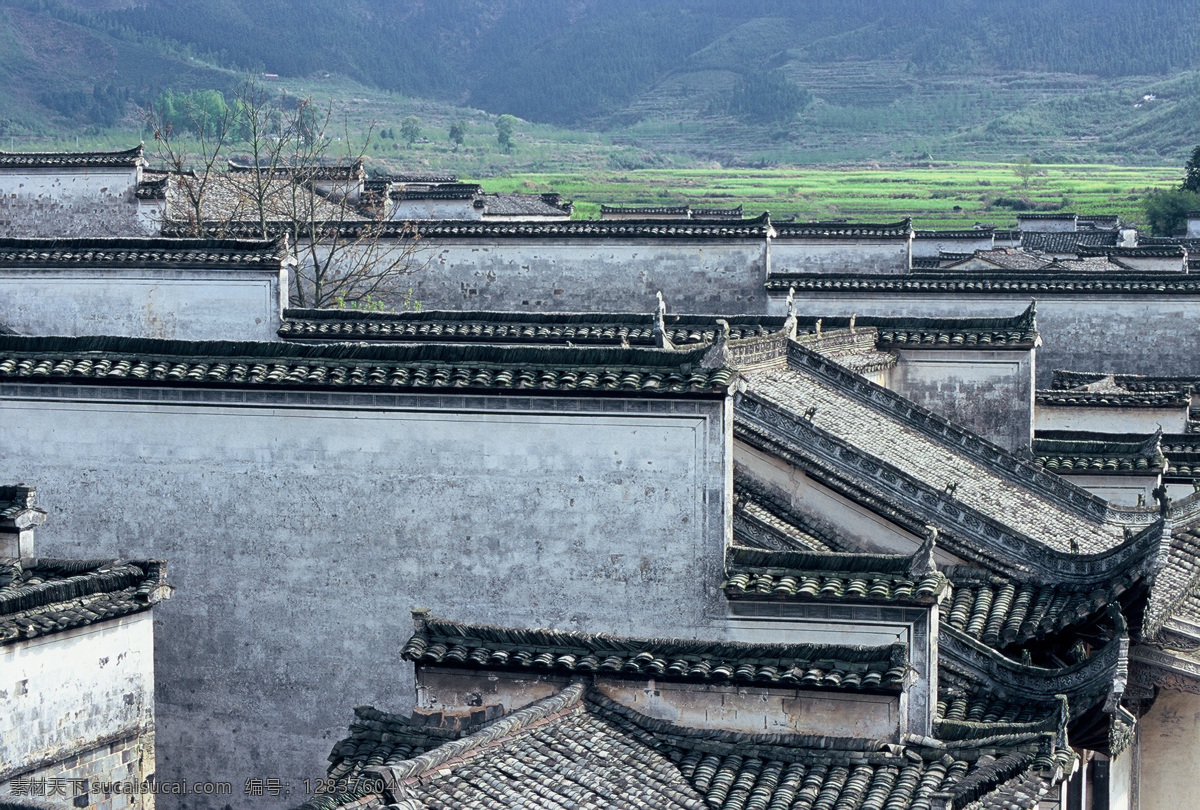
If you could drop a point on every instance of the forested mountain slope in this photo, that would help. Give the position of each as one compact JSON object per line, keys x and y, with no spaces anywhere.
{"x":778,"y":77}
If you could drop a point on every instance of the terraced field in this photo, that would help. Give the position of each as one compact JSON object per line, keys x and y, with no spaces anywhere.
{"x":935,"y":196}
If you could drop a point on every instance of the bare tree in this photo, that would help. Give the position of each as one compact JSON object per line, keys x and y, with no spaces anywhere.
{"x":193,"y":167}
{"x":293,"y":177}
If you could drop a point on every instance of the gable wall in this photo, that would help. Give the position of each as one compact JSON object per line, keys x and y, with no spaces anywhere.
{"x":874,"y":256}
{"x":1107,"y":333}
{"x":988,"y":392}
{"x":302,"y":528}
{"x":70,"y":203}
{"x":183,"y":303}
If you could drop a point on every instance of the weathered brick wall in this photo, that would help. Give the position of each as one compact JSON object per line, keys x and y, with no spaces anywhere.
{"x":115,"y":775}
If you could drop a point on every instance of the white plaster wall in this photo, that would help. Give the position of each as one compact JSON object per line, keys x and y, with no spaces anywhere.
{"x":988,"y":392}
{"x":930,"y":247}
{"x":591,"y":275}
{"x":1151,"y":264}
{"x":299,"y":538}
{"x":1120,"y":781}
{"x":1111,"y":419}
{"x":839,"y":255}
{"x":1193,"y":227}
{"x":1119,"y":489}
{"x":60,"y":692}
{"x":1169,"y":752}
{"x":867,"y":530}
{"x":156,"y":303}
{"x":406,"y":210}
{"x":1039,"y":225}
{"x":67,"y":203}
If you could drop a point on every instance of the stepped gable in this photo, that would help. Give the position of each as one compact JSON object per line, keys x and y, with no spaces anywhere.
{"x":153,"y":189}
{"x":677,"y":211}
{"x":127,"y":158}
{"x":1066,"y":242}
{"x":911,"y":464}
{"x":954,"y":233}
{"x":853,"y":349}
{"x":601,"y":328}
{"x":844,"y":230}
{"x":441,"y":191}
{"x":360,"y":367}
{"x":1106,"y":222}
{"x":808,"y":666}
{"x":104,"y":251}
{"x":760,"y":520}
{"x":1074,"y":452}
{"x":40,"y":596}
{"x":578,"y":748}
{"x":828,"y":576}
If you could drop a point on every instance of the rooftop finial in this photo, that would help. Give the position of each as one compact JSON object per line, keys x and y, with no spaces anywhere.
{"x":853,"y":318}
{"x":791,"y":301}
{"x":660,"y":324}
{"x":818,"y":325}
{"x":923,"y":564}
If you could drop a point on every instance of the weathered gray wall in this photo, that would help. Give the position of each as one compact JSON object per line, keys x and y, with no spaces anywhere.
{"x":1110,"y":419}
{"x":188,"y":304}
{"x":299,"y":536}
{"x":592,"y":276}
{"x":886,"y":256}
{"x":1168,"y":753}
{"x":1111,"y":333}
{"x":63,"y":203}
{"x":988,"y":392}
{"x":63,"y":694}
{"x":932,"y":246}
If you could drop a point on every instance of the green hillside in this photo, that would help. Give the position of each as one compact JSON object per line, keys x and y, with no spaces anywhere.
{"x":757,"y":83}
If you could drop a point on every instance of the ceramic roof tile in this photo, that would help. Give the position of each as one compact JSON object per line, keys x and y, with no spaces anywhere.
{"x":43,"y":596}
{"x":1064,"y":282}
{"x":1066,"y":242}
{"x":1067,"y":519}
{"x":1070,"y":452}
{"x":128,"y":158}
{"x":620,"y":229}
{"x":818,"y":666}
{"x":580,"y":749}
{"x":1001,"y":612}
{"x":761,"y":520}
{"x":224,"y":364}
{"x":140,"y":252}
{"x":844,"y":230}
{"x":825,"y":576}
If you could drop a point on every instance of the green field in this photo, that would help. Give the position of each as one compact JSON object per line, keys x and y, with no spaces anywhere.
{"x":935,"y":196}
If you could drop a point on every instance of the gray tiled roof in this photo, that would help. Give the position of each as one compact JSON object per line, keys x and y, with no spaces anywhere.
{"x":1066,"y":242}
{"x":43,"y":596}
{"x":1001,"y":281}
{"x":844,"y":230}
{"x":825,"y":576}
{"x":1026,"y":503}
{"x":128,"y":158}
{"x":821,"y":666}
{"x":227,"y":364}
{"x":579,"y":748}
{"x":525,"y":205}
{"x":140,"y":252}
{"x":1079,"y":452}
{"x":588,"y":229}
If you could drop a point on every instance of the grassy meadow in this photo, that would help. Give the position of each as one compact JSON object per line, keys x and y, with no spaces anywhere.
{"x":934,"y":195}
